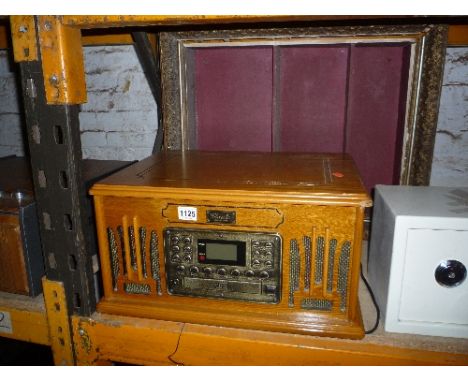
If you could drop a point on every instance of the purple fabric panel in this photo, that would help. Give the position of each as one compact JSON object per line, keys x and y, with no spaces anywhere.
{"x":312,"y":101}
{"x":233,"y":98}
{"x":377,"y":90}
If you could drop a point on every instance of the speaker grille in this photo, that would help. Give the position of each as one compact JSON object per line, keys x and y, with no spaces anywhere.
{"x":308,"y":259}
{"x":320,"y":251}
{"x":114,"y":257}
{"x":154,"y":258}
{"x":316,"y":304}
{"x":142,"y":232}
{"x":329,"y":261}
{"x":343,"y":270}
{"x":134,"y":288}
{"x":294,"y":270}
{"x":129,"y":258}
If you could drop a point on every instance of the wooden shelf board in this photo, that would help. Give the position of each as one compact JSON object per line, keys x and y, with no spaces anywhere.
{"x":28,"y":318}
{"x":153,"y":342}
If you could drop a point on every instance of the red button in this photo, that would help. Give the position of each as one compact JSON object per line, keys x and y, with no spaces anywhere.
{"x":338,"y":174}
{"x":201,"y":258}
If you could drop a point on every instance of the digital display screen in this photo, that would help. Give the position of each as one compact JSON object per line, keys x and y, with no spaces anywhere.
{"x":222,"y":252}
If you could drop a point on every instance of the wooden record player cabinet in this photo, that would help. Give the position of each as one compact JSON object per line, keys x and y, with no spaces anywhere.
{"x":314,"y":203}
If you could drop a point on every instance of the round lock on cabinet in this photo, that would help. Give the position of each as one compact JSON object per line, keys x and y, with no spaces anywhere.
{"x":450,"y":273}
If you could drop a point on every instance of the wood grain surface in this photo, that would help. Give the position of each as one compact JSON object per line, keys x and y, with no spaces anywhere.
{"x":320,"y":196}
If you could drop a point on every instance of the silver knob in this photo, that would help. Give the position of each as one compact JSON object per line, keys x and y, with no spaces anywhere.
{"x":222,"y":272}
{"x":207,"y":271}
{"x":250,"y":273}
{"x":194,"y":269}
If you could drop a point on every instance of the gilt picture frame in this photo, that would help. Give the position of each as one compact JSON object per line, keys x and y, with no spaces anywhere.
{"x":423,"y":92}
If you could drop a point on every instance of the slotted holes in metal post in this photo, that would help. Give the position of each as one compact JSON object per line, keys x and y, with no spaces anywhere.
{"x":67,"y":222}
{"x":72,"y":262}
{"x":63,"y":179}
{"x":41,"y":177}
{"x":58,"y":134}
{"x":77,"y":300}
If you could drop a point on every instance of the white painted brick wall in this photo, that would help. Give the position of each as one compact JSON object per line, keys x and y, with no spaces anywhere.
{"x":450,"y":163}
{"x":119,"y":121}
{"x":11,"y":135}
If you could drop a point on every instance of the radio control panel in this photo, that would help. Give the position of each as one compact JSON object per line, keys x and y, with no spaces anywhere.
{"x":223,"y":264}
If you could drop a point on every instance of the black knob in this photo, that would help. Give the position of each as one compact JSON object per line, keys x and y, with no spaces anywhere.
{"x":207,"y":271}
{"x":250,"y":273}
{"x":175,"y":248}
{"x":221,"y":271}
{"x":194,"y":270}
{"x":180,"y":269}
{"x":188,"y":258}
{"x":264,"y":275}
{"x":450,"y":273}
{"x":235,"y":272}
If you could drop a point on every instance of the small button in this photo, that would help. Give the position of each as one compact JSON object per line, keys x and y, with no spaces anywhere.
{"x":175,"y":248}
{"x":269,"y":245}
{"x":175,"y":282}
{"x":255,"y":243}
{"x":235,"y":272}
{"x":175,"y":239}
{"x":188,"y":249}
{"x":188,"y":258}
{"x":264,"y":275}
{"x":207,"y":271}
{"x":180,"y":269}
{"x":268,"y":263}
{"x":187,"y":240}
{"x":194,"y":270}
{"x":256,"y":263}
{"x":250,"y":273}
{"x":222,"y":272}
{"x":175,"y":258}
{"x":256,"y":253}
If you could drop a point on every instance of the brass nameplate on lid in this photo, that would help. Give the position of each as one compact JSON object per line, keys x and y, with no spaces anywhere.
{"x":225,"y":217}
